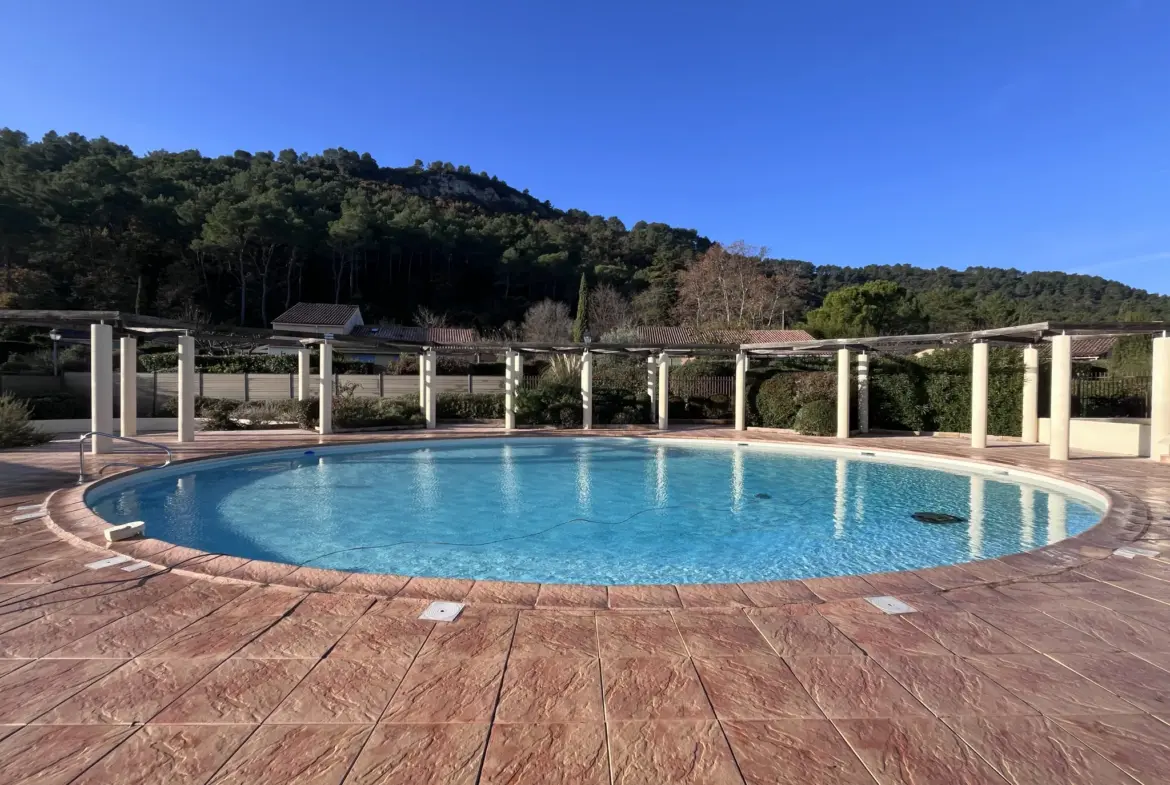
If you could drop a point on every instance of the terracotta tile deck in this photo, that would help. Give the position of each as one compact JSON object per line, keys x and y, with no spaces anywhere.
{"x":1046,"y":667}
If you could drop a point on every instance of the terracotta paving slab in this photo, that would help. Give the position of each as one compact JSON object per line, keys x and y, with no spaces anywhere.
{"x":126,"y":636}
{"x":471,"y":635}
{"x":1141,"y":683}
{"x":772,"y":593}
{"x":294,"y":755}
{"x":1048,"y":686}
{"x":671,"y":753}
{"x":793,"y":752}
{"x":644,"y":597}
{"x":854,"y":688}
{"x":519,"y":595}
{"x":172,"y":754}
{"x":134,"y":693}
{"x":341,"y":690}
{"x":541,"y":635}
{"x":643,"y":688}
{"x":880,"y":634}
{"x":1036,"y":751}
{"x":914,"y":751}
{"x":211,"y":637}
{"x":546,"y":754}
{"x":420,"y":754}
{"x":28,"y":692}
{"x":1137,"y":744}
{"x":754,"y":688}
{"x":712,"y":595}
{"x":639,"y":635}
{"x":558,"y":596}
{"x":238,"y":691}
{"x":1121,"y":632}
{"x":448,"y":690}
{"x":48,"y":633}
{"x":297,"y":637}
{"x":382,"y":636}
{"x":844,"y":587}
{"x":55,"y":754}
{"x":950,"y":686}
{"x":803,"y":634}
{"x":551,"y":689}
{"x":720,"y":634}
{"x":966,"y":634}
{"x":1044,"y":633}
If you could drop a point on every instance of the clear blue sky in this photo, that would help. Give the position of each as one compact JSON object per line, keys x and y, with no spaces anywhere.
{"x":1026,"y":133}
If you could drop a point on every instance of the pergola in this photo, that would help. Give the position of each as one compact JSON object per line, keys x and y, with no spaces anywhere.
{"x":1028,"y":337}
{"x":131,"y":327}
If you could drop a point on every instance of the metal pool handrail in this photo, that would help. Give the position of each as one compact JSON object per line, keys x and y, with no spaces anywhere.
{"x":81,"y":453}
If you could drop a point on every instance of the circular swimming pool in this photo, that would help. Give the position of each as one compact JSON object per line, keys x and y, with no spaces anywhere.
{"x":597,"y":510}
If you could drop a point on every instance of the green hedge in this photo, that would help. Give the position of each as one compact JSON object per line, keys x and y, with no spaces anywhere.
{"x":776,"y":400}
{"x":471,"y":406}
{"x":163,"y":362}
{"x":818,"y":417}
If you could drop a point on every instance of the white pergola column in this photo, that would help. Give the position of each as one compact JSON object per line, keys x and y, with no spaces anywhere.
{"x":587,"y":390}
{"x":431,"y":407}
{"x":652,"y":386}
{"x":325,"y":397}
{"x":741,"y":369}
{"x":422,"y":381}
{"x":128,"y":386}
{"x":1060,"y":410}
{"x":186,"y":389}
{"x":843,"y":393}
{"x":510,"y":389}
{"x":101,"y":385}
{"x":863,"y":392}
{"x":663,"y":391}
{"x":1160,"y":399}
{"x":979,"y":372}
{"x":304,"y":372}
{"x":1030,"y":427}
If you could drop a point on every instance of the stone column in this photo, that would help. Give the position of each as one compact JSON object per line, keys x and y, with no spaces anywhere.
{"x":652,"y":385}
{"x":587,"y":390}
{"x":510,"y":389}
{"x":1030,"y":428}
{"x":1160,"y":399}
{"x":186,"y":389}
{"x":325,"y":396}
{"x":979,"y":372}
{"x":741,"y":369}
{"x":843,"y":393}
{"x":863,"y":392}
{"x":128,"y":386}
{"x":1060,"y":410}
{"x":304,"y":371}
{"x":422,"y":381}
{"x":663,"y":391}
{"x":517,"y":377}
{"x":101,"y":385}
{"x":431,"y":409}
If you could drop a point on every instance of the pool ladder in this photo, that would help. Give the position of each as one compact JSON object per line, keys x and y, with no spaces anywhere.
{"x":81,"y":454}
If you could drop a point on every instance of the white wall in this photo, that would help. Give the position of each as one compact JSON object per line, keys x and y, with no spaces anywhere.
{"x":1119,"y":436}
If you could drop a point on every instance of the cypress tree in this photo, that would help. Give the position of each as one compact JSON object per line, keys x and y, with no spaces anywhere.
{"x":581,"y":323}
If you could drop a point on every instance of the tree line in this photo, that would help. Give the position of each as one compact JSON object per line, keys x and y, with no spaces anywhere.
{"x":236,"y":239}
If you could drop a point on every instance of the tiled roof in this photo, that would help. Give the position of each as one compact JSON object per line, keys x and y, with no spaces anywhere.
{"x":679,"y":336}
{"x":323,"y":314}
{"x":450,"y":336}
{"x":1085,"y":348}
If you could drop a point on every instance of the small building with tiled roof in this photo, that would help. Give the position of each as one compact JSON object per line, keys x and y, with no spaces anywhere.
{"x":439,"y":336}
{"x":1096,"y":347}
{"x":319,"y":319}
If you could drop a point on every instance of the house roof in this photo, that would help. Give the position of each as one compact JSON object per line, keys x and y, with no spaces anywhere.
{"x":437,"y":335}
{"x":318,"y":314}
{"x":679,"y":336}
{"x":1086,"y":348}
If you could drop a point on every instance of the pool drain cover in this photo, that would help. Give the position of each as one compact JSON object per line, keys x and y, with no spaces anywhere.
{"x":442,"y":611}
{"x":936,"y":517}
{"x":763,"y":496}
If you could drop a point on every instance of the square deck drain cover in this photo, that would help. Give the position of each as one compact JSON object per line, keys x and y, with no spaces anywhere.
{"x":442,"y":611}
{"x":1129,"y":553}
{"x":110,"y":562}
{"x":138,"y":565}
{"x":28,"y":516}
{"x":890,"y":605}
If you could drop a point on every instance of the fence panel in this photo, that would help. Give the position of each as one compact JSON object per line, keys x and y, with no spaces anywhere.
{"x":271,"y":386}
{"x":703,"y":386}
{"x":29,"y":386}
{"x":1127,"y":396}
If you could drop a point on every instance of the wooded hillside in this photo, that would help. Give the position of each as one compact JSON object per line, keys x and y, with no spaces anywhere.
{"x":88,"y":224}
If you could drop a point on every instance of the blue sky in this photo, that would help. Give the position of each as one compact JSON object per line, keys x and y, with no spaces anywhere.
{"x":1030,"y":134}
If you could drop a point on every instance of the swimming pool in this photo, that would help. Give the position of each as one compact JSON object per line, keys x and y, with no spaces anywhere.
{"x":609,"y":510}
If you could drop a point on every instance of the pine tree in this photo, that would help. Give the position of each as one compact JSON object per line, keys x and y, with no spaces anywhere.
{"x":581,"y":323}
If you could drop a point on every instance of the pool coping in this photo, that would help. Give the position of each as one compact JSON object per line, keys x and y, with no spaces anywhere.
{"x":1124,"y":521}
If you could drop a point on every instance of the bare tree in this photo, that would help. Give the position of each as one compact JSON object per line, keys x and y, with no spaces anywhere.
{"x":732,"y":287}
{"x":608,"y":310}
{"x":548,"y":321}
{"x":425,"y":317}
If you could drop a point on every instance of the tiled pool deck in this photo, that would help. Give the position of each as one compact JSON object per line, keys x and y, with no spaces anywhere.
{"x":1048,"y":667}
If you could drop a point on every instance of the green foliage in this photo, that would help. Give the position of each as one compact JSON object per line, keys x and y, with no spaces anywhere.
{"x":1132,"y":356}
{"x":816,"y":418}
{"x":779,"y":398}
{"x":563,"y":370}
{"x":581,"y":322}
{"x":351,"y":411}
{"x":15,"y":428}
{"x":702,"y":367}
{"x":168,"y":362}
{"x":897,"y":396}
{"x":471,"y":406}
{"x":550,"y":404}
{"x":873,"y":308}
{"x":57,"y":406}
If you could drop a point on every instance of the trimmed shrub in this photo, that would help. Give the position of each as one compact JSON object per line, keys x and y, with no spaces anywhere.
{"x":816,"y":418}
{"x":57,"y":406}
{"x":779,"y":398}
{"x":550,"y":404}
{"x":353,"y":412}
{"x":15,"y":428}
{"x":164,"y":362}
{"x":471,"y":406}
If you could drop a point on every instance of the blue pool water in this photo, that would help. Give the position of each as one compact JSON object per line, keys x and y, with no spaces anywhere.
{"x":590,"y":510}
